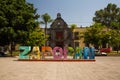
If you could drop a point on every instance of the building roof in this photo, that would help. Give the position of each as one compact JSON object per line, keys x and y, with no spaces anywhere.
{"x":59,"y":22}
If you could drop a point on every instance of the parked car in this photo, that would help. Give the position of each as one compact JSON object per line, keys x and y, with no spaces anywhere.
{"x":3,"y":51}
{"x":106,"y":50}
{"x":100,"y":53}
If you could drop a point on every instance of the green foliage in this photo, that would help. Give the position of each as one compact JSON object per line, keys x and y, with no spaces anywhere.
{"x":73,"y":26}
{"x":105,"y":37}
{"x":77,"y":49}
{"x":70,"y":51}
{"x":114,"y":38}
{"x":36,"y":38}
{"x":99,"y":35}
{"x":115,"y":25}
{"x":7,"y":34}
{"x":46,"y":19}
{"x":18,"y":19}
{"x":93,"y":34}
{"x":108,"y":15}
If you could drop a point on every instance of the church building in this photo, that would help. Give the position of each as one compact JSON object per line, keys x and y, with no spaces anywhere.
{"x":59,"y":33}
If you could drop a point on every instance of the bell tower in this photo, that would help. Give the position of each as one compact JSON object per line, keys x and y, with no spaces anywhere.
{"x":58,"y":15}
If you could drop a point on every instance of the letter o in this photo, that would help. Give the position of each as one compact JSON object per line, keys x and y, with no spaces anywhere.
{"x":54,"y":53}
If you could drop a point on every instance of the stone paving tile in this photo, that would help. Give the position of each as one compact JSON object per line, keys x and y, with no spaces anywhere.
{"x":105,"y":68}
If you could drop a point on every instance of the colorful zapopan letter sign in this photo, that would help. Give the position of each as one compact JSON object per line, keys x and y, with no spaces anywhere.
{"x":57,"y":52}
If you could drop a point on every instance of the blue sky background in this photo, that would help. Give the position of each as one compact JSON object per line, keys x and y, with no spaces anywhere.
{"x":78,"y":12}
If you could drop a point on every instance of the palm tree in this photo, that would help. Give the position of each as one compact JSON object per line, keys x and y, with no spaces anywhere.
{"x":46,"y":19}
{"x":73,"y":26}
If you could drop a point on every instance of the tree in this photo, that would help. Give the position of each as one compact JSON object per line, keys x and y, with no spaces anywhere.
{"x":114,"y":39}
{"x":36,"y":38}
{"x":108,"y":15}
{"x":46,"y":19}
{"x":116,"y":25}
{"x":73,"y":26}
{"x":105,"y":38}
{"x":93,"y":34}
{"x":18,"y":19}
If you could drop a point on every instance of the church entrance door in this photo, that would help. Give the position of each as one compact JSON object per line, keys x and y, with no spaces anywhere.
{"x":59,"y":38}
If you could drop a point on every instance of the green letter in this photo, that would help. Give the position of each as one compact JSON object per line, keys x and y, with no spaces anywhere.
{"x":25,"y":50}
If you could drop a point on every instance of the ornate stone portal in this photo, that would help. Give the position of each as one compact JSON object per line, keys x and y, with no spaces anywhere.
{"x":59,"y":33}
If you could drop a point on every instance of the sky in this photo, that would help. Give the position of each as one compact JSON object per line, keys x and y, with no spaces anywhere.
{"x":79,"y":12}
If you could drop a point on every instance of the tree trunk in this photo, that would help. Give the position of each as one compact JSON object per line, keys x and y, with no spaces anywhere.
{"x":117,"y":49}
{"x":45,"y":33}
{"x":12,"y":47}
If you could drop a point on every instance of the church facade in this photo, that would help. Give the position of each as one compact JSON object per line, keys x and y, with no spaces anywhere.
{"x":59,"y":33}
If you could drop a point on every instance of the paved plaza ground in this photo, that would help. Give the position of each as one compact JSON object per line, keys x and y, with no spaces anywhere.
{"x":105,"y":68}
